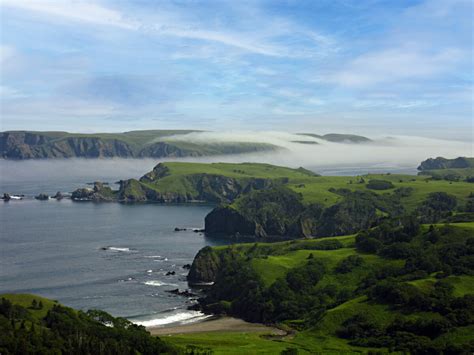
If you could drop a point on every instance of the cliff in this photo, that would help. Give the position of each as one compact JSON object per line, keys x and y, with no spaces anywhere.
{"x":204,"y":267}
{"x":134,"y":144}
{"x":195,"y":182}
{"x":279,"y":213}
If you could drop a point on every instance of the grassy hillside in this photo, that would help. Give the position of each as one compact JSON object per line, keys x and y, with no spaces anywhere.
{"x":313,"y":188}
{"x":360,"y":301}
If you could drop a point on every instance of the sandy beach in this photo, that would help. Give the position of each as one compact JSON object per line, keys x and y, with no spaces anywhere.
{"x":227,"y":324}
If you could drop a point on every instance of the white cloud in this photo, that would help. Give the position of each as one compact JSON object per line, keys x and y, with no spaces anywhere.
{"x":230,"y":39}
{"x":73,"y":10}
{"x":10,"y":93}
{"x":165,"y":23}
{"x":6,"y":53}
{"x":391,"y":65}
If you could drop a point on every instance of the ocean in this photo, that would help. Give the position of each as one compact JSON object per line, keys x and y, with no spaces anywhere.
{"x":108,"y":256}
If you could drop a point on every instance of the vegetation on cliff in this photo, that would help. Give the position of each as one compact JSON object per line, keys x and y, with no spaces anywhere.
{"x":35,"y":325}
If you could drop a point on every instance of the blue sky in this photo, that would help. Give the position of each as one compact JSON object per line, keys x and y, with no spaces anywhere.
{"x":391,"y":67}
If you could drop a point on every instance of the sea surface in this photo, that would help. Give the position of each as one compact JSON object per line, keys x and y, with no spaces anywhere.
{"x":108,"y":256}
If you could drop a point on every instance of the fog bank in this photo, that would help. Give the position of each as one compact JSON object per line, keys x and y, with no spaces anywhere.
{"x":396,"y":154}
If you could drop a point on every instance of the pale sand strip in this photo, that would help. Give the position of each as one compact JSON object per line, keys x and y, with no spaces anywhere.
{"x":226,"y":324}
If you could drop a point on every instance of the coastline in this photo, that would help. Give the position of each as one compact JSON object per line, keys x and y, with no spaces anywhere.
{"x":216,"y":324}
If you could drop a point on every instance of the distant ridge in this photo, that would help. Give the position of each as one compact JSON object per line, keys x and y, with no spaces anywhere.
{"x":134,"y":144}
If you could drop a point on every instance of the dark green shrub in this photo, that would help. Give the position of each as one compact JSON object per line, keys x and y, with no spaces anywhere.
{"x":379,"y":185}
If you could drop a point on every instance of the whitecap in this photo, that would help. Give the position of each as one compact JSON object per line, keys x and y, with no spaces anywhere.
{"x":182,"y":317}
{"x":158,"y":283}
{"x":118,"y":249}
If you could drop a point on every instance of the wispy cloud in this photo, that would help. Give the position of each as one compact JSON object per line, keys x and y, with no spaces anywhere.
{"x":396,"y":64}
{"x":87,"y":12}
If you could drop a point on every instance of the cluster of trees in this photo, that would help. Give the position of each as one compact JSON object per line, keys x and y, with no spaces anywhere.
{"x":442,"y":312}
{"x":66,"y":331}
{"x":375,"y":184}
{"x":239,"y":291}
{"x":438,"y":205}
{"x":445,"y":248}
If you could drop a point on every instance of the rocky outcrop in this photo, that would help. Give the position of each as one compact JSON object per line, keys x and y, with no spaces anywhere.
{"x":227,"y":220}
{"x":272,"y":213}
{"x":99,"y":193}
{"x":204,"y":267}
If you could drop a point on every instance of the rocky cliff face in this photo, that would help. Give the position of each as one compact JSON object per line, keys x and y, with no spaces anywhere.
{"x":227,"y":220}
{"x":28,"y":145}
{"x":278,"y":213}
{"x":204,"y":268}
{"x":43,"y":145}
{"x":199,"y":187}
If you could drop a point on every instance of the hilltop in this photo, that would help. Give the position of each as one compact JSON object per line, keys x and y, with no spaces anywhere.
{"x":133,"y":144}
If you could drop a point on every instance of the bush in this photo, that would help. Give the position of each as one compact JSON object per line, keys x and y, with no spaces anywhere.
{"x":379,"y":185}
{"x":346,"y":265}
{"x":367,"y":244}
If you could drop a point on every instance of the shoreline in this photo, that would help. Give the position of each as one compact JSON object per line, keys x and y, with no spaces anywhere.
{"x":216,"y":324}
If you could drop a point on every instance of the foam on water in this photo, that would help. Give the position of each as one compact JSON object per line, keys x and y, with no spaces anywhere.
{"x":159,"y":283}
{"x":179,"y":318}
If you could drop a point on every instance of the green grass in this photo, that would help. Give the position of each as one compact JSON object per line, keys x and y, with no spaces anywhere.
{"x":25,"y":300}
{"x":317,"y":189}
{"x":453,"y":172}
{"x":232,"y":342}
{"x":307,"y":342}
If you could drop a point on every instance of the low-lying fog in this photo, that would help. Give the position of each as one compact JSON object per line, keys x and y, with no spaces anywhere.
{"x":384,"y":154}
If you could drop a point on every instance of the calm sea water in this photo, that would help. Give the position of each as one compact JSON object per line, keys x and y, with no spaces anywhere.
{"x":56,"y":248}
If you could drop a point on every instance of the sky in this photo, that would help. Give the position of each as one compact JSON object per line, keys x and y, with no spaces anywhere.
{"x":362,"y":66}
